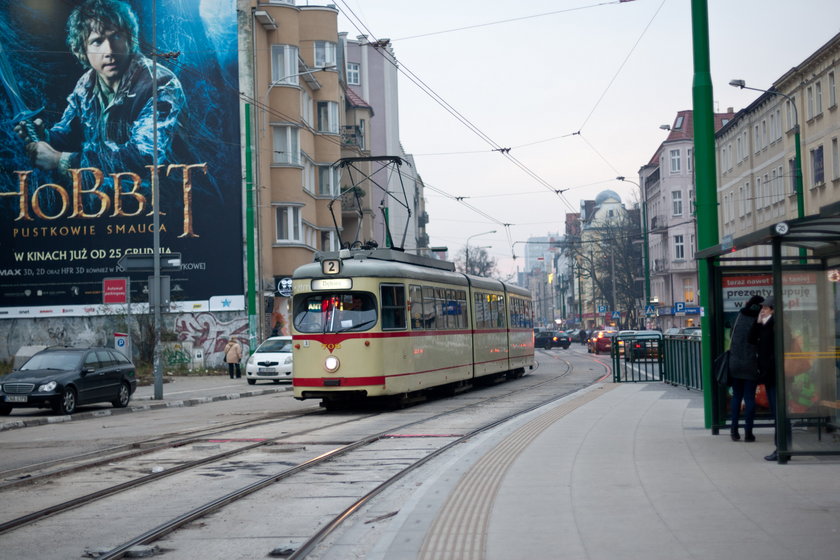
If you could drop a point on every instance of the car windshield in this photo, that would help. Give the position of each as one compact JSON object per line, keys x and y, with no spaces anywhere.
{"x":63,"y":361}
{"x":275,"y":345}
{"x":335,"y":312}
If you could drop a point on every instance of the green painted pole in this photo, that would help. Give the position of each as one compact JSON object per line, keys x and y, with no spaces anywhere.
{"x":250,"y":234}
{"x":705,"y":183}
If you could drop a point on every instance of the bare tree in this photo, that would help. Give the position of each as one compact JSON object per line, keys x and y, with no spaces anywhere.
{"x":610,"y":258}
{"x":478,"y":262}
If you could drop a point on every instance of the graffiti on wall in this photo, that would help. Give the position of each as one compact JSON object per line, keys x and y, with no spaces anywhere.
{"x":210,"y":333}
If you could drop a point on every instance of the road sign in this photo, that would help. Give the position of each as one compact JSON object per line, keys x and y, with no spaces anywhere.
{"x":168,"y":262}
{"x":650,"y":310}
{"x":602,"y":309}
{"x":114,"y":290}
{"x":679,"y":308}
{"x":616,"y":314}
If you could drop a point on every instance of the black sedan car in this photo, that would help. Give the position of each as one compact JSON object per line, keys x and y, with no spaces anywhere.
{"x":551,"y":339}
{"x":62,"y":378}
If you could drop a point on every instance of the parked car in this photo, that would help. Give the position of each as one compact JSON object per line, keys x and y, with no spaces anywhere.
{"x":621,"y":338}
{"x":551,"y":339}
{"x":271,"y":361}
{"x":643,"y":345}
{"x":62,"y":378}
{"x":601,"y":341}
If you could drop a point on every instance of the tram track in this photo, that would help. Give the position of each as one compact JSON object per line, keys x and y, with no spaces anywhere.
{"x":301,"y":466}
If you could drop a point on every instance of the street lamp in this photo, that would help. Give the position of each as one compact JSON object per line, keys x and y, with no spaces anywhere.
{"x":800,"y":201}
{"x":467,"y":249}
{"x":645,"y":249}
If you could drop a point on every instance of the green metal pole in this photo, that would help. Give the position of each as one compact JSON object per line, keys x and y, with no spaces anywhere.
{"x":250,"y":234}
{"x":705,"y":182}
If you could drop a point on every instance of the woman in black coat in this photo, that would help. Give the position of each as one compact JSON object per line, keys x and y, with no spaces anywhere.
{"x":743,"y":369}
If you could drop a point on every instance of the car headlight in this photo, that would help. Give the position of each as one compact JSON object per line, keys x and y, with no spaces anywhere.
{"x":288,"y":359}
{"x":331,"y":364}
{"x":47,"y":387}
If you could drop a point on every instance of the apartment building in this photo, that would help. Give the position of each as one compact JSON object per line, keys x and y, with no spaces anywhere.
{"x":668,"y":194}
{"x":756,"y":150}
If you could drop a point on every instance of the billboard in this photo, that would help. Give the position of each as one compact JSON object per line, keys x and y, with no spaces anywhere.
{"x":85,"y":110}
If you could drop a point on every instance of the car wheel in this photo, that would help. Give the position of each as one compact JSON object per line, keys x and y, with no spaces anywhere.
{"x":252,"y":382}
{"x":123,"y":397}
{"x":67,"y":403}
{"x":5,"y":410}
{"x":547,"y":347}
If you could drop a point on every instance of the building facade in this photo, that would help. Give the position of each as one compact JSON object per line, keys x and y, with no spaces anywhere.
{"x":668,"y":195}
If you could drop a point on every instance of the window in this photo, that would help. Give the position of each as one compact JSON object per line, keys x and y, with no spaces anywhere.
{"x":328,"y":116}
{"x":286,"y":145}
{"x":809,"y":101}
{"x":679,"y":248}
{"x":334,"y":312}
{"x":284,"y":64}
{"x":763,"y":133}
{"x":818,"y":97}
{"x":756,"y":139}
{"x":739,"y":150}
{"x":761,"y":198}
{"x":354,"y":74}
{"x":817,"y":166}
{"x":678,"y":123}
{"x":675,"y":161}
{"x":289,"y":226}
{"x":790,"y":110}
{"x":324,"y":54}
{"x":772,"y":127}
{"x":306,"y":107}
{"x":746,"y":194}
{"x":393,"y":306}
{"x":832,"y":90}
{"x":328,"y":241}
{"x":327,"y":180}
{"x":688,"y":290}
{"x":308,"y":176}
{"x":835,"y":159}
{"x":689,"y":155}
{"x":677,"y":201}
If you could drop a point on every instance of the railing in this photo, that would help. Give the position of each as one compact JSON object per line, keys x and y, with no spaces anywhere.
{"x":682,"y":365}
{"x":672,"y":359}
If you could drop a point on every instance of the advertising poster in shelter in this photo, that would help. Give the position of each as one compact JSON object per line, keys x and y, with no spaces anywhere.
{"x":809,"y":376}
{"x":78,"y":137}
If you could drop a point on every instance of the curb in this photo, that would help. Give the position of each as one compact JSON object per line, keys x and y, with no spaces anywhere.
{"x":152,"y":405}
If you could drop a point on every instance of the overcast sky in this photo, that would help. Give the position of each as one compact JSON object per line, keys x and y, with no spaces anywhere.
{"x":531,"y":75}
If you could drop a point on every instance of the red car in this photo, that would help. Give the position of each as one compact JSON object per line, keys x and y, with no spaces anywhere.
{"x":601,"y":341}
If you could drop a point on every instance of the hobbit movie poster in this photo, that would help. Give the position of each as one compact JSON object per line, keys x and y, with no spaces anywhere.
{"x":88,"y":103}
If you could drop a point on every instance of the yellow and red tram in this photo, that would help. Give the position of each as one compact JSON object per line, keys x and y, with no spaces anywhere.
{"x":380,"y":322}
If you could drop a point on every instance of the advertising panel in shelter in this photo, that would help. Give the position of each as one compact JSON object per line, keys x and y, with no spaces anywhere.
{"x":88,"y":102}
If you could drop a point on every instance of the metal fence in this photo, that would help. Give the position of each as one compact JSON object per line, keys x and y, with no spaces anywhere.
{"x":671,"y":359}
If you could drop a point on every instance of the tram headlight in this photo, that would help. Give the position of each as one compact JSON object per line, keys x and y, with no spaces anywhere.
{"x":331,"y":364}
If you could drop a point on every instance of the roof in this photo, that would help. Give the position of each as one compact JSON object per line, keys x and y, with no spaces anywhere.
{"x":819,"y":233}
{"x":356,"y":101}
{"x":683,"y":129}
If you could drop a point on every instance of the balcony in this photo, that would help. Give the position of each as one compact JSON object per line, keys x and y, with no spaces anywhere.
{"x":658,"y":224}
{"x":660,"y":266}
{"x":351,"y":135}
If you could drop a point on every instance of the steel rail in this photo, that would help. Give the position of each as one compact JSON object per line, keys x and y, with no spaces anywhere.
{"x":165,"y":528}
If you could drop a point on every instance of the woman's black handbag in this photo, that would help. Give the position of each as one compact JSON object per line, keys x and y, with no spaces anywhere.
{"x":721,"y":369}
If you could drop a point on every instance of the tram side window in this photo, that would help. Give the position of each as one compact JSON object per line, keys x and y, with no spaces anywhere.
{"x":440,"y":309}
{"x":415,"y":306}
{"x":481,"y":310}
{"x":431,"y":319}
{"x":456,"y":308}
{"x":393,"y":306}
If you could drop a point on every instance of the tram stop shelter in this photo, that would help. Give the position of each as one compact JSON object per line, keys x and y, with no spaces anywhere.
{"x":798,"y":262}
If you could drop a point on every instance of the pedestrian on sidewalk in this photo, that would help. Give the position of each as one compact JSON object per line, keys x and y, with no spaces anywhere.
{"x":762,"y":334}
{"x":233,"y":355}
{"x":743,"y":369}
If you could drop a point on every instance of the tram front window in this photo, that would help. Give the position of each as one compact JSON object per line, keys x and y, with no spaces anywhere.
{"x":334,"y":312}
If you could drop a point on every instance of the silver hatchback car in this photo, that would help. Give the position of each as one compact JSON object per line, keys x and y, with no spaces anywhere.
{"x":271,"y":361}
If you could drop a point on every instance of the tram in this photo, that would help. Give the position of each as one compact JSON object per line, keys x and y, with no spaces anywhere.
{"x":370,"y":323}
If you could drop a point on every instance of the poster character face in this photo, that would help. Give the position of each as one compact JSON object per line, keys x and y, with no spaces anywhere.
{"x":108,"y":54}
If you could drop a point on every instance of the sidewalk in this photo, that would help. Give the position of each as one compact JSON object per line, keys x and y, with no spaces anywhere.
{"x":618,"y":471}
{"x":186,"y":390}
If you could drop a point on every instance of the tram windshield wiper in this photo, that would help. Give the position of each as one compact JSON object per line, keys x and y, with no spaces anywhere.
{"x":360,"y":325}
